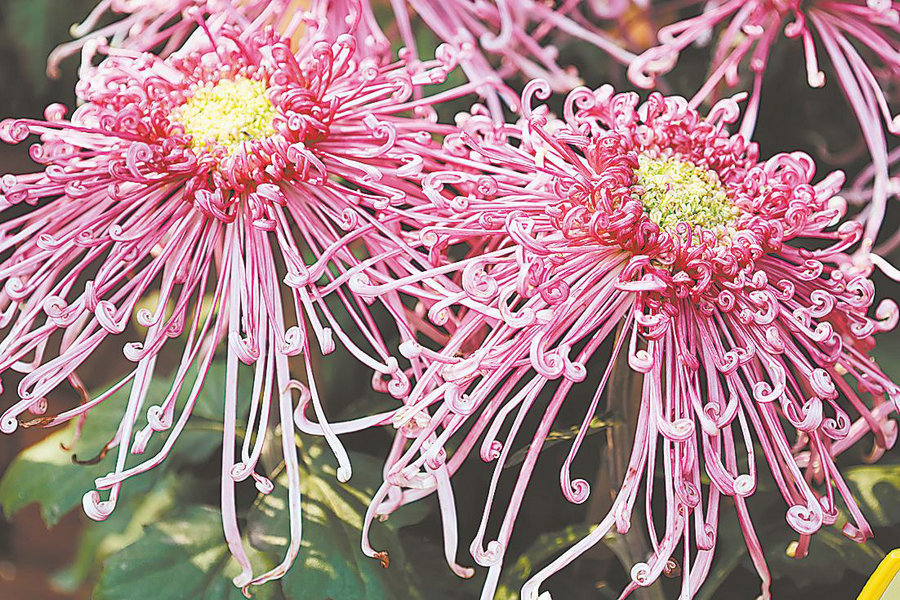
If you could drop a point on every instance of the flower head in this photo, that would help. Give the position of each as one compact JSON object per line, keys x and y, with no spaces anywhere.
{"x":860,"y":38}
{"x":654,"y":222}
{"x":518,"y":35}
{"x":217,"y":197}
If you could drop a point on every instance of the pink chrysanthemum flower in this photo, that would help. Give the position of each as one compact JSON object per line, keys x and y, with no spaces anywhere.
{"x":229,"y":190}
{"x":859,"y":37}
{"x":516,"y":34}
{"x":657,"y":223}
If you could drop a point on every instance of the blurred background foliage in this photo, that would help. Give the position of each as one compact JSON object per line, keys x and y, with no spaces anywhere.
{"x":164,"y":540}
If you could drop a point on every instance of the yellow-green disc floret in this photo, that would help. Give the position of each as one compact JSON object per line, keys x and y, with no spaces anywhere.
{"x":227,"y":113}
{"x":676,"y":191}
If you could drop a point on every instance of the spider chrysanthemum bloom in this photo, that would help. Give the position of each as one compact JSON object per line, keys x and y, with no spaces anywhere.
{"x":218,"y":198}
{"x":657,"y":223}
{"x":495,"y":38}
{"x":860,"y":39}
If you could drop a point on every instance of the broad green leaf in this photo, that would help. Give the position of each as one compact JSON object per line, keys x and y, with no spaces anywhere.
{"x":189,"y":546}
{"x":331,"y":564}
{"x":183,"y":557}
{"x":45,"y":473}
{"x":102,"y":539}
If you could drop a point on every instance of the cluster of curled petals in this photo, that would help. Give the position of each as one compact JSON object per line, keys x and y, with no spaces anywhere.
{"x":752,"y":350}
{"x":217,"y":197}
{"x":860,"y":38}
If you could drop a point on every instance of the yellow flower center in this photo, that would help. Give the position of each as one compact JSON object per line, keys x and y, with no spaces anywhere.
{"x":676,"y":191}
{"x":227,"y":114}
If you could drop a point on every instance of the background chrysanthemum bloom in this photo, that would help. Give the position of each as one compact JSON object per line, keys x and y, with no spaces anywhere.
{"x":217,"y":197}
{"x":860,"y":39}
{"x":519,"y":35}
{"x":653,"y":222}
{"x":165,"y":26}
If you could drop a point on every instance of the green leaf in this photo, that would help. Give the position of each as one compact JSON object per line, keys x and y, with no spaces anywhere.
{"x":101,"y":539}
{"x":331,"y":564}
{"x":545,"y":547}
{"x":876,"y":489}
{"x":831,"y":557}
{"x":331,"y":561}
{"x":184,"y":556}
{"x":596,"y":425}
{"x":45,"y":474}
{"x":180,"y":558}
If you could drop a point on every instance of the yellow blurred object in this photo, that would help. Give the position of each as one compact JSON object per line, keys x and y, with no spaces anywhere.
{"x":884,"y":583}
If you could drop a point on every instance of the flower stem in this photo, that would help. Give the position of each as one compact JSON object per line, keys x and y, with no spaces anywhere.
{"x":623,"y":405}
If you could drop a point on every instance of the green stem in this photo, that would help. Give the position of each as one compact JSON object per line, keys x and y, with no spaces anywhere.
{"x":623,"y":401}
